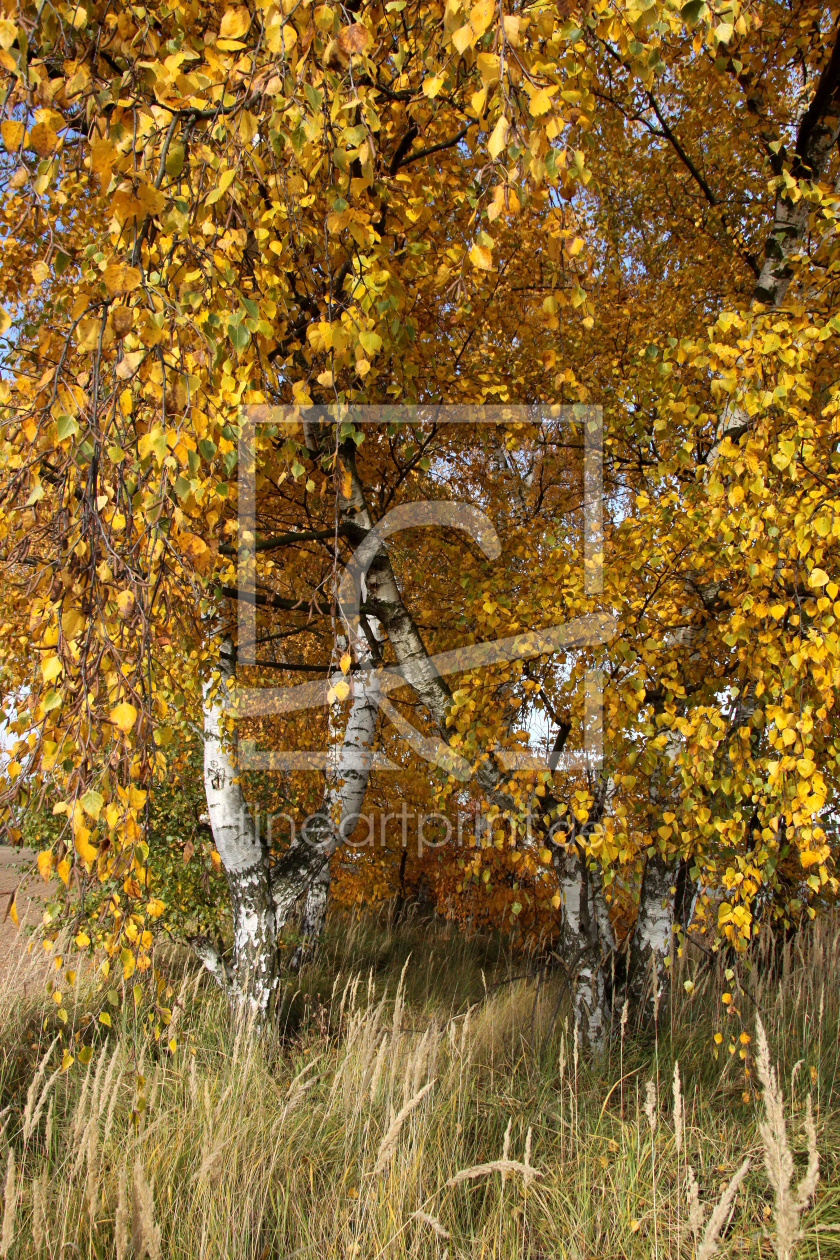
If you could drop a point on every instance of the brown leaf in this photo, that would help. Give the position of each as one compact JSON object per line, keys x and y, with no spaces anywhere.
{"x":122,"y":318}
{"x":121,"y":279}
{"x":354,"y":39}
{"x":43,"y":139}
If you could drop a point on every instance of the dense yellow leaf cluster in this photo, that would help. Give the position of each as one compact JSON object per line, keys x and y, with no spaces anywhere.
{"x":210,"y":207}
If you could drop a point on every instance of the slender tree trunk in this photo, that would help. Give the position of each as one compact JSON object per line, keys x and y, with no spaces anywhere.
{"x":252,"y":974}
{"x":347,"y":779}
{"x":650,"y":944}
{"x":586,"y":938}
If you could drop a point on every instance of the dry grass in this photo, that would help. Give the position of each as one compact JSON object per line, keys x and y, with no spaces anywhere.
{"x":409,"y":1114}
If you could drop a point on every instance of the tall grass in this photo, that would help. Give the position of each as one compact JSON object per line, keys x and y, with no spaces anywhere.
{"x":414,"y":1108}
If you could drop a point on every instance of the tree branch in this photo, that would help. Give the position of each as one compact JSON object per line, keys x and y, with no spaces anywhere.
{"x":436,"y":148}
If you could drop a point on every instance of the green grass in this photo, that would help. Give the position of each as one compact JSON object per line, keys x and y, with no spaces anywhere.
{"x":270,"y":1144}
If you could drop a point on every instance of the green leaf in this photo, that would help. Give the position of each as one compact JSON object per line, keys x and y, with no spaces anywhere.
{"x":92,"y":803}
{"x":693,"y":11}
{"x":207,"y":449}
{"x":251,"y":307}
{"x":175,"y":159}
{"x":315,"y":98}
{"x":182,"y":487}
{"x":370,"y":342}
{"x":239,"y":336}
{"x":66,"y":427}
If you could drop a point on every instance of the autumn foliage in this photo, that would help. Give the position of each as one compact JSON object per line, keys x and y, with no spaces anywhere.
{"x":209,"y":212}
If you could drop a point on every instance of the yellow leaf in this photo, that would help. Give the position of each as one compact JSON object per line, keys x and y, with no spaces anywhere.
{"x":12,"y":132}
{"x":51,"y":668}
{"x":540,"y":103}
{"x":341,"y":691}
{"x":125,"y":602}
{"x":345,"y":662}
{"x":84,"y":848}
{"x":8,"y":33}
{"x":489,"y":68}
{"x":156,"y":908}
{"x":43,"y":139}
{"x":432,"y":86}
{"x":63,"y":871}
{"x":463,"y":38}
{"x":247,"y":126}
{"x":45,"y":864}
{"x":511,"y":25}
{"x":124,"y":716}
{"x":121,"y":279}
{"x":325,"y":379}
{"x":102,"y":156}
{"x":66,"y":1060}
{"x":82,"y":940}
{"x":151,"y":199}
{"x":87,"y":334}
{"x":818,"y":577}
{"x":130,"y":363}
{"x":13,"y":914}
{"x":173,"y":1045}
{"x":105,"y":1018}
{"x":481,"y":15}
{"x":481,"y":258}
{"x":127,"y":960}
{"x":72,"y":623}
{"x":235,"y":23}
{"x":555,"y":901}
{"x":497,"y":141}
{"x":216,"y":861}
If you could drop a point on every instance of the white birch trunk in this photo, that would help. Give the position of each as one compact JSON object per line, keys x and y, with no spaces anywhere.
{"x":348,"y":771}
{"x":651,"y":942}
{"x":586,"y":935}
{"x":253,"y":972}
